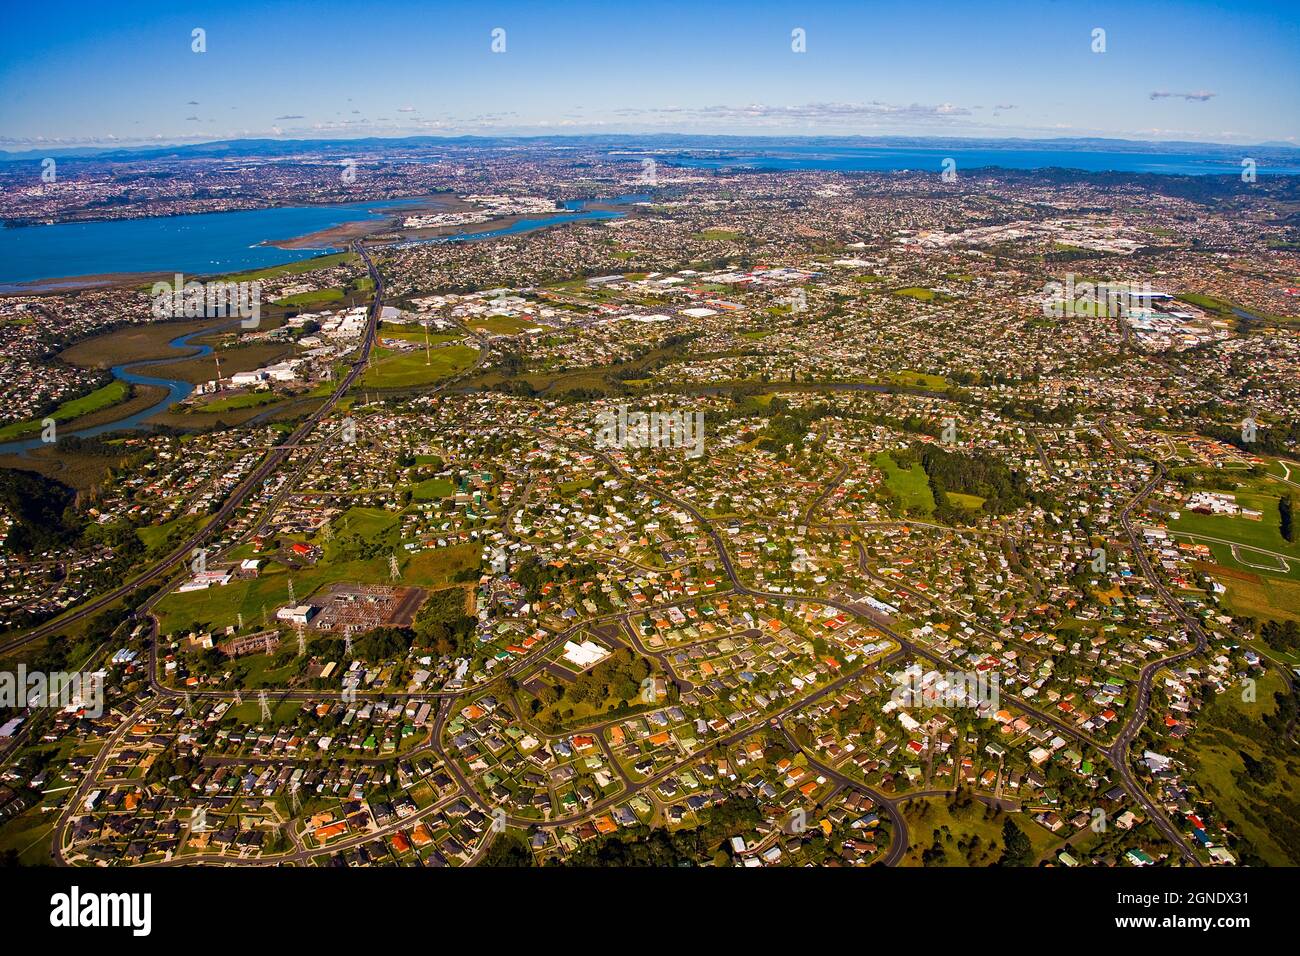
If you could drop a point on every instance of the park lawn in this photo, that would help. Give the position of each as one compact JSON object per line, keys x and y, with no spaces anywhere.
{"x":315,"y":297}
{"x":501,"y":324}
{"x":757,"y":334}
{"x":415,"y":333}
{"x":294,"y":268}
{"x":926,"y":814}
{"x":254,"y":670}
{"x":243,"y":551}
{"x":1207,"y":302}
{"x":1228,"y":727}
{"x":1252,"y":562}
{"x":969,"y":502}
{"x":247,"y":400}
{"x":714,"y":235}
{"x":407,"y":369}
{"x":1251,"y":484}
{"x":906,"y":377}
{"x":586,"y":712}
{"x":969,"y":822}
{"x":919,"y":293}
{"x":433,"y":488}
{"x":249,"y":713}
{"x":592,"y":378}
{"x":1265,"y":533}
{"x":103,"y":397}
{"x":439,"y":565}
{"x":368,"y":523}
{"x":31,"y":834}
{"x":912,"y":486}
{"x":218,"y":607}
{"x":1094,"y":308}
{"x":568,"y":285}
{"x":1224,"y":309}
{"x":151,"y":536}
{"x":1281,"y":469}
{"x":1263,"y":598}
{"x":326,"y":386}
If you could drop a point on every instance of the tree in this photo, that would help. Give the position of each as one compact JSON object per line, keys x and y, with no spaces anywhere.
{"x":509,"y":850}
{"x":1018,"y":851}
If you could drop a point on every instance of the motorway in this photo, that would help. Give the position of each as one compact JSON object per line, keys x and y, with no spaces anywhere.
{"x":1116,"y":752}
{"x":184,"y":551}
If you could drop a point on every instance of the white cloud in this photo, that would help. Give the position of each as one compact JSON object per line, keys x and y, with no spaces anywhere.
{"x":1200,"y":96}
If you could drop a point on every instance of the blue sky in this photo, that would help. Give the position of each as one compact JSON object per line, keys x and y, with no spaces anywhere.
{"x":96,"y":73}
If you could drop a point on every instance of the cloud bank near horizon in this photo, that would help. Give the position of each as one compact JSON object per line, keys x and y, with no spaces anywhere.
{"x":870,"y":118}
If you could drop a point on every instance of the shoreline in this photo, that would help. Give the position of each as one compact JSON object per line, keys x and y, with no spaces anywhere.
{"x":102,"y":280}
{"x":328,"y":239}
{"x":323,"y":242}
{"x":51,"y":285}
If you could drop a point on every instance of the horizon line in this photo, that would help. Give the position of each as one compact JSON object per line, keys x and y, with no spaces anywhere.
{"x":54,"y":146}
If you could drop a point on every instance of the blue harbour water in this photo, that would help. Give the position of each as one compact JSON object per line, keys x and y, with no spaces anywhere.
{"x":579,"y":209}
{"x":211,"y":243}
{"x":917,"y":158}
{"x":196,"y":245}
{"x":226,"y":242}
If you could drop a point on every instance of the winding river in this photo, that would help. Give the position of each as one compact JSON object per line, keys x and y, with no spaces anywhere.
{"x":166,"y":229}
{"x":177,"y":390}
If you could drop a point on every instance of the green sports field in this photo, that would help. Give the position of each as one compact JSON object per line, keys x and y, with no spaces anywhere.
{"x":502,"y":324}
{"x":391,"y":369}
{"x":217,"y":607}
{"x":1263,"y":533}
{"x":911,"y":486}
{"x":110,"y":394}
{"x":432,"y":489}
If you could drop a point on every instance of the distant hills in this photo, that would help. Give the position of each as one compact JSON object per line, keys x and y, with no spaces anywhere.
{"x":284,"y":147}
